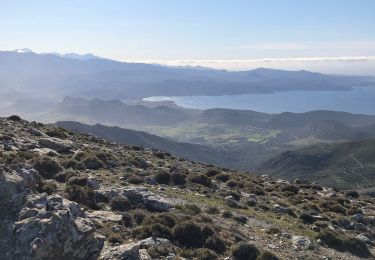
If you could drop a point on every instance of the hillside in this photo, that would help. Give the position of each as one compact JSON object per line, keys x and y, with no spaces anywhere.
{"x":188,"y":151}
{"x":349,"y":165}
{"x":67,"y":195}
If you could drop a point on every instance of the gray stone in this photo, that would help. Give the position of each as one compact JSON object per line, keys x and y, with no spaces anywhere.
{"x":121,"y":252}
{"x":301,"y":242}
{"x":56,"y":144}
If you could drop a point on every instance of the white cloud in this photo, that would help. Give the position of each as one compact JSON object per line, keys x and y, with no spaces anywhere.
{"x":359,"y":65}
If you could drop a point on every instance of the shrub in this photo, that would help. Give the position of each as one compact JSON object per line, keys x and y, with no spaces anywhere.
{"x":134,"y":179}
{"x":190,"y":209}
{"x":46,"y":187}
{"x":158,"y":230}
{"x":245,"y":251}
{"x":200,"y":179}
{"x":188,"y":234}
{"x":74,"y":164}
{"x":102,"y":156}
{"x":212,"y":172}
{"x":289,"y":188}
{"x":127,"y":220}
{"x":78,"y":180}
{"x":223,"y":177}
{"x":306,"y":217}
{"x":47,"y":167}
{"x":251,"y":202}
{"x":163,"y":177}
{"x":178,"y":178}
{"x":207,"y":232}
{"x":65,"y":175}
{"x":240,"y":218}
{"x":115,"y":238}
{"x":120,"y":204}
{"x":232,"y":184}
{"x":200,"y":253}
{"x":84,"y":195}
{"x":267,"y":256}
{"x":227,"y":214}
{"x":216,"y":244}
{"x":343,"y":243}
{"x":352,"y":194}
{"x":93,"y":163}
{"x":14,"y":118}
{"x":138,"y":216}
{"x":57,"y":132}
{"x":273,"y":230}
{"x":167,"y":220}
{"x":259,"y":190}
{"x":213,"y":210}
{"x":333,"y":206}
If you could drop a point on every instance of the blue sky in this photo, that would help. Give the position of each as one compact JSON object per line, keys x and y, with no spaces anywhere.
{"x":186,"y":30}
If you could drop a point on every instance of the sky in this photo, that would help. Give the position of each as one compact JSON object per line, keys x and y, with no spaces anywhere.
{"x":336,"y":36}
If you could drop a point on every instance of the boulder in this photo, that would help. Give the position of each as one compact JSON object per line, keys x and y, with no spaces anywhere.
{"x":301,"y":242}
{"x":41,"y":226}
{"x":121,"y":252}
{"x":56,"y":144}
{"x":104,"y":216}
{"x":144,"y":255}
{"x":141,"y":195}
{"x":50,"y":226}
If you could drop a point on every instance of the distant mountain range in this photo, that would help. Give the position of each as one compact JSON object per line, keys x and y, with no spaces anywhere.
{"x":87,"y":56}
{"x":59,"y":75}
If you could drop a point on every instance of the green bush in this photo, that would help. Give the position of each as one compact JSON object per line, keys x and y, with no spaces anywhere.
{"x":46,"y":187}
{"x":47,"y":167}
{"x":163,"y":177}
{"x":212,"y":172}
{"x":65,"y":175}
{"x":78,"y":180}
{"x":178,"y":178}
{"x":232,"y":184}
{"x":115,"y":238}
{"x":344,"y":243}
{"x":200,"y":179}
{"x":134,"y":179}
{"x":216,"y":244}
{"x":138,"y":216}
{"x":190,"y":209}
{"x":74,"y":164}
{"x":352,"y":194}
{"x":200,"y":254}
{"x":188,"y":234}
{"x":223,"y":177}
{"x":127,"y":220}
{"x":14,"y":118}
{"x":93,"y":163}
{"x":159,"y":230}
{"x":289,"y":188}
{"x":333,"y":206}
{"x":246,"y":251}
{"x":120,"y":204}
{"x":213,"y":210}
{"x":81,"y":194}
{"x":227,"y":214}
{"x":57,"y":132}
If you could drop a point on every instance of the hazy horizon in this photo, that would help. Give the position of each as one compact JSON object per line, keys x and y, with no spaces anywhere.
{"x":335,"y":37}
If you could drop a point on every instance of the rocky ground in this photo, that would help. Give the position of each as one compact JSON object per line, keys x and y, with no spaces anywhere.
{"x":66,"y":195}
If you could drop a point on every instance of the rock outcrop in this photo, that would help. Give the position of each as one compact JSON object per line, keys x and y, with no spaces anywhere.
{"x":41,"y":226}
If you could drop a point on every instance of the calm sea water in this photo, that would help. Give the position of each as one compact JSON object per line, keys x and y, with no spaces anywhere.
{"x":359,"y":100}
